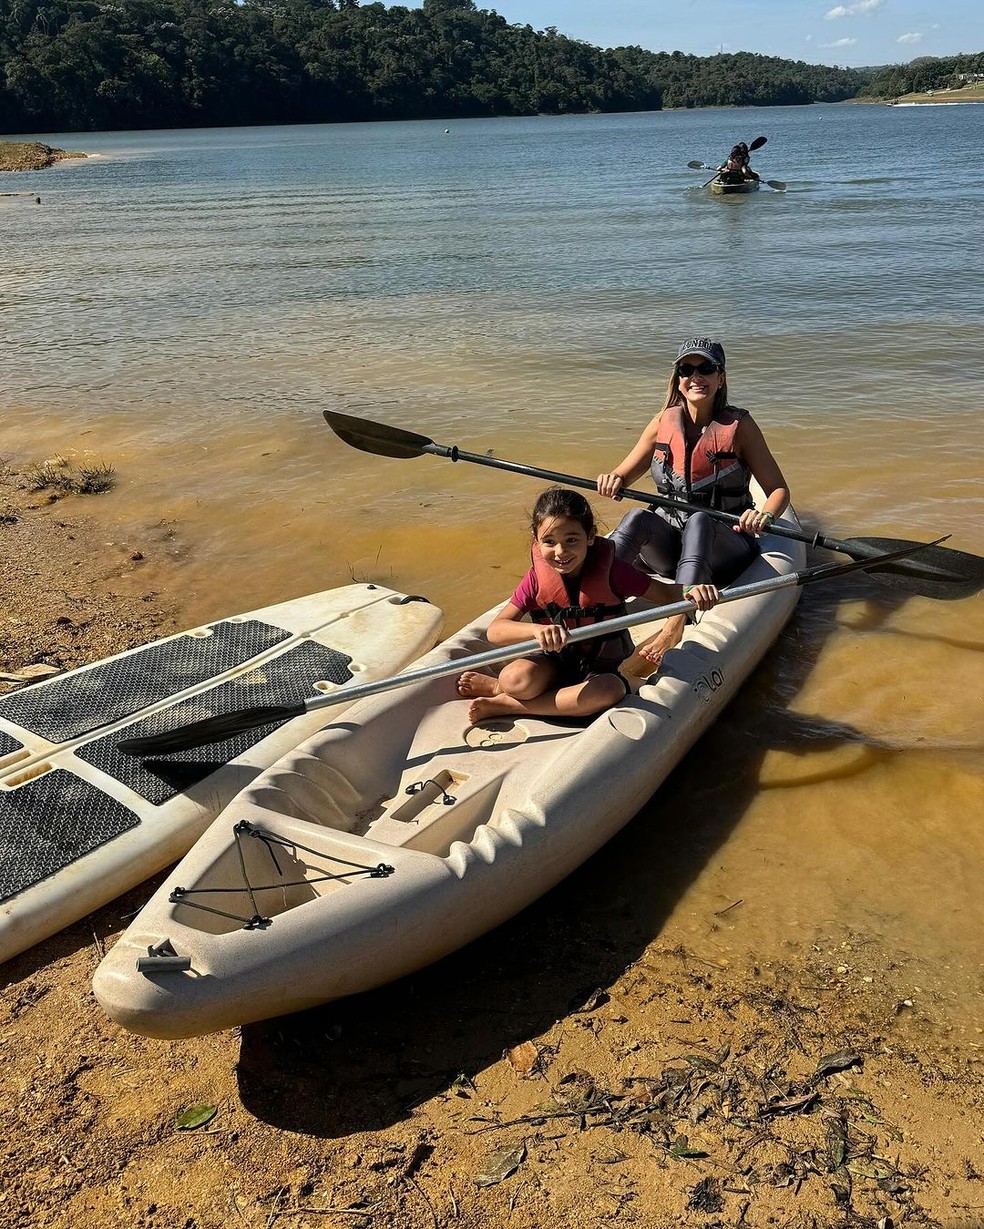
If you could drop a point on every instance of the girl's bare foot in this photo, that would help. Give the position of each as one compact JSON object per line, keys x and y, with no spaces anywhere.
{"x":494,"y":706}
{"x":472,"y":684}
{"x":648,"y":657}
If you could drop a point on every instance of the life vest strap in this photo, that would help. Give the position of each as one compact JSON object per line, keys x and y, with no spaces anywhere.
{"x":598,"y":612}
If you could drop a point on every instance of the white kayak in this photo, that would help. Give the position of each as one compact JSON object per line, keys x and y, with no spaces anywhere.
{"x":80,"y":823}
{"x":388,"y":840}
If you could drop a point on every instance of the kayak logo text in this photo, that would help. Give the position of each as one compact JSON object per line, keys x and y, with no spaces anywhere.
{"x":705,"y":686}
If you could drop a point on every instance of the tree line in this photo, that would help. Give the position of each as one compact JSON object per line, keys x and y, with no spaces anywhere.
{"x":76,"y":65}
{"x":925,"y":73}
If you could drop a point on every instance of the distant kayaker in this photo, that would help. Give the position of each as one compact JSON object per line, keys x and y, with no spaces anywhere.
{"x":575,"y":580}
{"x":701,"y":450}
{"x":736,"y":168}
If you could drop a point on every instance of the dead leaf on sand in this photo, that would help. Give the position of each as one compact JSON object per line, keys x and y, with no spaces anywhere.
{"x":525,"y":1057}
{"x":500,"y":1164}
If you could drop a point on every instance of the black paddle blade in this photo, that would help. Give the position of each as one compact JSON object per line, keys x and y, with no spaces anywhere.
{"x":935,"y":571}
{"x":757,"y":143}
{"x":870,"y":562}
{"x":777,"y":184}
{"x":209,"y":730}
{"x":697,"y":166}
{"x":376,"y":437}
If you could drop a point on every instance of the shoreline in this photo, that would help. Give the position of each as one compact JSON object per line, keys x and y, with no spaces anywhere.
{"x":17,"y":156}
{"x":620,"y":1067}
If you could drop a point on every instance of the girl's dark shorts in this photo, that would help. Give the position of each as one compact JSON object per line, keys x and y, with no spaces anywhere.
{"x":572,"y":668}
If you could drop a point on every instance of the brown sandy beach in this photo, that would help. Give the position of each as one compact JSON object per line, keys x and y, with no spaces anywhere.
{"x":32,"y":155}
{"x":587,"y":1064}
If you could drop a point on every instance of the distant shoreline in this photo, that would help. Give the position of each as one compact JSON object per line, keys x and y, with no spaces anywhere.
{"x":938,"y":102}
{"x":32,"y":155}
{"x":938,"y":98}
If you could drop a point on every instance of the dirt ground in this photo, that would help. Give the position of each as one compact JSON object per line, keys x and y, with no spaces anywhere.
{"x":571,"y":1069}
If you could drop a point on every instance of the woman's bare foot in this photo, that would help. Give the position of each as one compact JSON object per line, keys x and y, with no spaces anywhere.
{"x":493,"y":706}
{"x":648,"y":657}
{"x":472,"y":684}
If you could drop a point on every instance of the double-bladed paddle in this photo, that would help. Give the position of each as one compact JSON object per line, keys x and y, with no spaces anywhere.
{"x":228,"y":725}
{"x":938,"y":573}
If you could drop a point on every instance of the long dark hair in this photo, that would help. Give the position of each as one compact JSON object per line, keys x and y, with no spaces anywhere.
{"x":560,"y":501}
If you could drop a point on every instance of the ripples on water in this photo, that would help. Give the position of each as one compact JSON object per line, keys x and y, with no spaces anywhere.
{"x":188,"y":302}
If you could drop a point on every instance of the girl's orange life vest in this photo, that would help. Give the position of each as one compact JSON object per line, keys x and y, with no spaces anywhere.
{"x":596,"y":599}
{"x":708,"y":471}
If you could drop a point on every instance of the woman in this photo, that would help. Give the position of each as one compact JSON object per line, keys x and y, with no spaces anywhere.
{"x":736,"y":169}
{"x":701,"y":450}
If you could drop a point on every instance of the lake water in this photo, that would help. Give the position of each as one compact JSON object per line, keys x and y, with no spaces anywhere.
{"x":184,"y":305}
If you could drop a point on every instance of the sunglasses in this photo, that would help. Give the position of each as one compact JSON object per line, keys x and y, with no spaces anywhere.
{"x":706,"y":368}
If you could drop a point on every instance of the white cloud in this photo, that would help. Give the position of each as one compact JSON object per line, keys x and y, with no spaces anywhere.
{"x":909,"y":38}
{"x":841,"y":42}
{"x":858,"y":9}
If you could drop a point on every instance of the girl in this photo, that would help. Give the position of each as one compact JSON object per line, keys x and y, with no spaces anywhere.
{"x":575,"y":579}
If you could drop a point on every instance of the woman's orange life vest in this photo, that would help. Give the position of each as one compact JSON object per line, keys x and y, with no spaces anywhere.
{"x":596,"y":599}
{"x":707,"y":471}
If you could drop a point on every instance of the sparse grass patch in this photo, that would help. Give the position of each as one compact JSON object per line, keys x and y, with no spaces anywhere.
{"x":368,"y":576}
{"x":60,"y":474}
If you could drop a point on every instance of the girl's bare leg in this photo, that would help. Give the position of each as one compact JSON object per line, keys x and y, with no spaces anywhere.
{"x":521,"y":679}
{"x":579,"y":700}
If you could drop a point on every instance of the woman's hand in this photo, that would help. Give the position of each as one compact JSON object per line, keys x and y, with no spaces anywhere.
{"x":611,"y":485}
{"x":753,"y":521}
{"x":550,"y":637}
{"x":703,"y":596}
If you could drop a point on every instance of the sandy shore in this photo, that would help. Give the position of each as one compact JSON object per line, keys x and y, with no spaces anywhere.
{"x":574,"y":1068}
{"x":32,"y":155}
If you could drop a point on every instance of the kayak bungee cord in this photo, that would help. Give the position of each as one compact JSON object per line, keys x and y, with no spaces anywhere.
{"x":259,"y":921}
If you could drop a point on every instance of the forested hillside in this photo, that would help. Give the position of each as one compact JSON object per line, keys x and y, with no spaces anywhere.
{"x":72,"y":65}
{"x":925,"y":73}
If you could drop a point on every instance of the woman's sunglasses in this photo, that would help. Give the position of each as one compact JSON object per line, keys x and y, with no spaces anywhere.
{"x":706,"y":368}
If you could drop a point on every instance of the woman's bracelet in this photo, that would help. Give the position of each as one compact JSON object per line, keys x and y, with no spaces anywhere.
{"x":770,"y":517}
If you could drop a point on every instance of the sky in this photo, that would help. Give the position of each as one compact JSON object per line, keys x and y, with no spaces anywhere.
{"x":853,"y":33}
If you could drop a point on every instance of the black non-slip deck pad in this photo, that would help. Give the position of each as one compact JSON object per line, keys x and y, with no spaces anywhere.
{"x":76,"y":703}
{"x":282,"y":680}
{"x":50,"y":822}
{"x":8,"y":744}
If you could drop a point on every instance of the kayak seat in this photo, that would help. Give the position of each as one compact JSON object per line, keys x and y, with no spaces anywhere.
{"x":471,"y":771}
{"x":311,"y":790}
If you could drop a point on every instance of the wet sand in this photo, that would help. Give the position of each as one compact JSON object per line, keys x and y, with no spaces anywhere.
{"x":817,"y":893}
